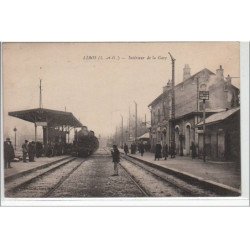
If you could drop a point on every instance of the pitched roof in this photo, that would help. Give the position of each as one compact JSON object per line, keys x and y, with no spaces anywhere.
{"x":144,"y":136}
{"x":54,"y":117}
{"x":219,"y":117}
{"x":183,"y":82}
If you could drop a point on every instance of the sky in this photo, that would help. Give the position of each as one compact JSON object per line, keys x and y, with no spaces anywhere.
{"x":99,"y":90}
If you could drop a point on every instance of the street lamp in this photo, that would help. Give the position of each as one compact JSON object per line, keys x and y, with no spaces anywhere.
{"x":15,"y":129}
{"x":204,"y":95}
{"x":135,"y":120}
{"x":122,"y":130}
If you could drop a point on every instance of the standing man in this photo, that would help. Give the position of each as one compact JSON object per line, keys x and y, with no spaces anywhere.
{"x":9,"y":153}
{"x":193,"y":149}
{"x":31,"y":151}
{"x":116,"y":159}
{"x":142,"y":148}
{"x":132,"y":148}
{"x":158,"y":149}
{"x":172,"y":150}
{"x":126,"y":148}
{"x":165,"y":151}
{"x":25,"y":150}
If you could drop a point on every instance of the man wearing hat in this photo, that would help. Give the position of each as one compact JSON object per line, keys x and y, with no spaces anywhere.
{"x":25,"y":150}
{"x":116,"y":159}
{"x":9,"y":153}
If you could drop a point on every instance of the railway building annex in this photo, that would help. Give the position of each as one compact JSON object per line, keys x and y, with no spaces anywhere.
{"x":222,"y":111}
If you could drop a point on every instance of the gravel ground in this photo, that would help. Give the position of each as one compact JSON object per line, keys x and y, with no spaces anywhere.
{"x":94,"y":179}
{"x":153,"y":186}
{"x":41,"y":186}
{"x":157,"y":187}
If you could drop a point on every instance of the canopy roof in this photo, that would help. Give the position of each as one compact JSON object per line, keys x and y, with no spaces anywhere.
{"x":144,"y":136}
{"x":53,"y":117}
{"x":219,"y":117}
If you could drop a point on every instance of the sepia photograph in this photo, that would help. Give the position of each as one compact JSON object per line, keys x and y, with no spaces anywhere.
{"x":124,"y":124}
{"x":121,"y":120}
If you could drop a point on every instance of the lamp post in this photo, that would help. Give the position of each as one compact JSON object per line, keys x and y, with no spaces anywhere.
{"x":204,"y":95}
{"x":15,"y":129}
{"x":172,"y":134}
{"x":135,"y":121}
{"x":122,"y":131}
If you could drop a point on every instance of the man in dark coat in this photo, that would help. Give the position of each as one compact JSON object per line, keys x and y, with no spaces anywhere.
{"x":9,"y":153}
{"x":158,"y":149}
{"x":116,"y":159}
{"x":126,"y":148}
{"x":141,"y":147}
{"x":25,"y":150}
{"x":39,"y":149}
{"x":132,"y":148}
{"x":31,"y":151}
{"x":172,"y":150}
{"x":193,"y":149}
{"x":165,"y":151}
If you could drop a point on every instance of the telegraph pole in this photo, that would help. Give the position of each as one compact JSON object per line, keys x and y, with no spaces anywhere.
{"x":122,"y":130}
{"x":135,"y":120}
{"x":40,"y":97}
{"x":204,"y":128}
{"x":204,"y":95}
{"x":115,"y":135}
{"x":129,"y":123}
{"x":172,"y":134}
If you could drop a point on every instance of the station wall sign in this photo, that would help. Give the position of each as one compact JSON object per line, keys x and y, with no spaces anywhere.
{"x":204,"y":95}
{"x":44,"y":124}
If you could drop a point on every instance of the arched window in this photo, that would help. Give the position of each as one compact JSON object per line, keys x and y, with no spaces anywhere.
{"x":203,"y":87}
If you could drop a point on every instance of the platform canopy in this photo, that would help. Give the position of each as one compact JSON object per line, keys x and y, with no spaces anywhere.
{"x":219,"y":117}
{"x":145,"y":136}
{"x":53,"y":118}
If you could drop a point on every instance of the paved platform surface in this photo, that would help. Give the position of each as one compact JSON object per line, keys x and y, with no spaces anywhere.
{"x":19,"y":167}
{"x":227,"y":173}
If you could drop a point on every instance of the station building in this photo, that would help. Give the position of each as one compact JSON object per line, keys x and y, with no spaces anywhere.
{"x":223,"y":96}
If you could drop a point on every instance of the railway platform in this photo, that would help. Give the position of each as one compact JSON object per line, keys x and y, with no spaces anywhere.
{"x":20,"y":168}
{"x":221,"y":173}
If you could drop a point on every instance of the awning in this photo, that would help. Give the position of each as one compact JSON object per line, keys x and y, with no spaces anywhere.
{"x":218,"y":117}
{"x":52,"y":117}
{"x":145,"y":136}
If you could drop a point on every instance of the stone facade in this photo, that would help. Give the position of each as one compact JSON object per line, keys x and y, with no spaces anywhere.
{"x":188,"y":108}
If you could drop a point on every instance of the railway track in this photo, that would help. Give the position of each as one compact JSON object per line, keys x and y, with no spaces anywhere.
{"x":185,"y":188}
{"x":42,"y":182}
{"x":175,"y":185}
{"x":131,"y":177}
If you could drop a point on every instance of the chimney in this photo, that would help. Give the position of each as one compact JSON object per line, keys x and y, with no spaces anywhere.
{"x":186,"y":72}
{"x":167,"y":87}
{"x":229,"y":79}
{"x":219,"y":73}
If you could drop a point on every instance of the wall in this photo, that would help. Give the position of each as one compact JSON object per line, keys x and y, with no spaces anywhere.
{"x":222,"y":95}
{"x":223,"y":140}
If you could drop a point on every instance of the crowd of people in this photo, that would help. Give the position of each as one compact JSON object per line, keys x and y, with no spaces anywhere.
{"x":32,"y":149}
{"x":161,"y":151}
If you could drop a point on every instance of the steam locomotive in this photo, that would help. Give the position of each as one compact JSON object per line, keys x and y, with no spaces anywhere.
{"x":85,"y":143}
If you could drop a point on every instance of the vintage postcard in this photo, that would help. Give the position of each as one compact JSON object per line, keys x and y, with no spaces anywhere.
{"x":122,"y":123}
